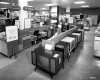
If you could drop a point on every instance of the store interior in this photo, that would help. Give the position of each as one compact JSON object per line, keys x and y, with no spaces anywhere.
{"x":49,"y":40}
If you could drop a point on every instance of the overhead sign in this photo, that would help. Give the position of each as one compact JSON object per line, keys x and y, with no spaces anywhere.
{"x":11,"y":33}
{"x":15,"y":8}
{"x":26,"y":8}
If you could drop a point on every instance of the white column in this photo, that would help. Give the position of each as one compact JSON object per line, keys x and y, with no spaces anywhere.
{"x":23,"y":14}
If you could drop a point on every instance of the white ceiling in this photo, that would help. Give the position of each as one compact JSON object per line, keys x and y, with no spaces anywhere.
{"x":65,"y":3}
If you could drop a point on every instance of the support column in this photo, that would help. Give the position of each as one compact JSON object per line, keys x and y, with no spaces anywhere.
{"x":23,"y":14}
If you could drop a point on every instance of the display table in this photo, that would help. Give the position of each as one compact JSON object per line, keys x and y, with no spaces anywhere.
{"x":50,"y":63}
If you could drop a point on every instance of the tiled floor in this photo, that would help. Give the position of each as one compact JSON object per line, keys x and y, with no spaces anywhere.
{"x":82,"y":65}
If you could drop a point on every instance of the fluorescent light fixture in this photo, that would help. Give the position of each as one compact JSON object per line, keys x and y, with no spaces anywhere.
{"x":50,"y":4}
{"x":43,"y":8}
{"x":84,"y":6}
{"x":79,"y":2}
{"x":4,"y":3}
{"x":29,"y":6}
{"x":3,"y":8}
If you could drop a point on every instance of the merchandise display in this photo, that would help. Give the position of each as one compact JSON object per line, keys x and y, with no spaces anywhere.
{"x":50,"y":63}
{"x":64,"y":48}
{"x":76,"y":39}
{"x":79,"y":36}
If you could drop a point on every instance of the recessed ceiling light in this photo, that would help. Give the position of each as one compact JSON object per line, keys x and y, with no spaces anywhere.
{"x":79,"y":2}
{"x":50,"y":4}
{"x":4,"y":3}
{"x":85,"y":6}
{"x":43,"y":8}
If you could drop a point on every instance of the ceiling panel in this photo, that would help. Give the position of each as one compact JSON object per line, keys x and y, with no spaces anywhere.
{"x":64,"y":3}
{"x":39,"y":3}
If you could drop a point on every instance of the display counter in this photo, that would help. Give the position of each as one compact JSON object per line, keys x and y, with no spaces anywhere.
{"x":8,"y":49}
{"x":3,"y":44}
{"x":27,"y":41}
{"x":3,"y":47}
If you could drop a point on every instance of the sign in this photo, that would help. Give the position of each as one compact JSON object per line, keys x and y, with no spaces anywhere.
{"x":27,"y":23}
{"x":26,"y":8}
{"x":15,"y":8}
{"x":11,"y":33}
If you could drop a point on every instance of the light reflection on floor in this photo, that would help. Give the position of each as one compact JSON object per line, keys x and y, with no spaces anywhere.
{"x":97,"y":63}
